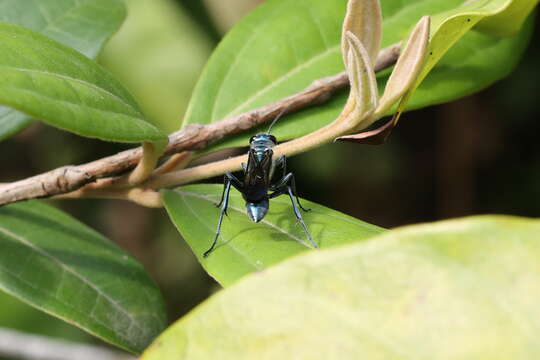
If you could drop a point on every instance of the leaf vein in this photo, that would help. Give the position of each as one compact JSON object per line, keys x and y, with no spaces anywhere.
{"x":69,"y":78}
{"x":68,"y":269}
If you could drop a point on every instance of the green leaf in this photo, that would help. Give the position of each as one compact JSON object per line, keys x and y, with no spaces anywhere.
{"x":11,"y":122}
{"x":472,"y":64}
{"x":460,"y":289}
{"x":449,"y":27}
{"x":56,"y":264}
{"x":52,"y":82}
{"x":84,"y":25}
{"x":283,"y":45}
{"x":510,"y":20}
{"x":158,"y":55}
{"x":245,"y":246}
{"x":25,"y":318}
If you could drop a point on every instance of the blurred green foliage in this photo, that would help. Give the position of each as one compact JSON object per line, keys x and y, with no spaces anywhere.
{"x":158,"y":54}
{"x":477,"y":155}
{"x":17,"y":315}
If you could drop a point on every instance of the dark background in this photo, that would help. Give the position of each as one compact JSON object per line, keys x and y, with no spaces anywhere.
{"x":477,"y":155}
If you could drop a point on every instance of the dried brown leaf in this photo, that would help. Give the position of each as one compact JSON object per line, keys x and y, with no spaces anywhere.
{"x":376,"y":136}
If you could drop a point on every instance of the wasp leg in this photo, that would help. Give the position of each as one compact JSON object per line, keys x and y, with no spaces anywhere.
{"x":284,"y":165}
{"x":235,"y":182}
{"x":299,"y":217}
{"x":230,"y":179}
{"x":286,"y":179}
{"x":283,"y":160}
{"x":283,"y":187}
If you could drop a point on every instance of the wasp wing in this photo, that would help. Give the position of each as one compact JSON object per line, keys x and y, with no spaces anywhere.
{"x":258,"y":168}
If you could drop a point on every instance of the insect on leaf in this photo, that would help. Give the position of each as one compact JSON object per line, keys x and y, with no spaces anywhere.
{"x":244,"y":246}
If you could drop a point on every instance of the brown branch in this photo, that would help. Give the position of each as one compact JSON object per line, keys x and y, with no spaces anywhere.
{"x":191,"y":137}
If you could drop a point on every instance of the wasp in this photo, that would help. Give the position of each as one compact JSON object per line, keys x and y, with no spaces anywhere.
{"x":257,"y":187}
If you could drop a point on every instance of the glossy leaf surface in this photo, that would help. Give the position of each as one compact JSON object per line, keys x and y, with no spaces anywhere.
{"x":84,"y":25}
{"x":510,"y":21}
{"x":450,"y":26}
{"x":462,"y":289}
{"x":50,"y":81}
{"x":245,"y":246}
{"x":58,"y":265}
{"x":283,"y":45}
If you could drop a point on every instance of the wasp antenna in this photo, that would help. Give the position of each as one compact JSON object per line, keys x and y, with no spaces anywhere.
{"x":276,"y":119}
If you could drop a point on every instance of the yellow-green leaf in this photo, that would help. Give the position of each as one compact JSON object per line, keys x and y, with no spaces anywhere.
{"x":509,"y":21}
{"x":460,"y":289}
{"x":449,"y":27}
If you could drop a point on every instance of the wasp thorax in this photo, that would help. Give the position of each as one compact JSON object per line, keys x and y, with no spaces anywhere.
{"x":257,"y":210}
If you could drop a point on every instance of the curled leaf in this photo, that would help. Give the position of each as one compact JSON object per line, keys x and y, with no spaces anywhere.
{"x":379,"y":135}
{"x":363,"y":94}
{"x":402,"y":79}
{"x":408,"y":67}
{"x":363,"y":19}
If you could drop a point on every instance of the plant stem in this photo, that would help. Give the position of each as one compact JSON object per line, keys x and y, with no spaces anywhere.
{"x":190,"y":138}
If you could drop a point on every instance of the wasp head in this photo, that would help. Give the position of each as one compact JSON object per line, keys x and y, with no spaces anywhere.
{"x":263,"y":138}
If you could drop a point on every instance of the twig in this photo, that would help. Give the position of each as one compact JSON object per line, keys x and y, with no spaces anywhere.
{"x":147,"y":164}
{"x":192,"y":137}
{"x":175,"y":162}
{"x":15,"y":344}
{"x":312,"y":140}
{"x":106,"y":189}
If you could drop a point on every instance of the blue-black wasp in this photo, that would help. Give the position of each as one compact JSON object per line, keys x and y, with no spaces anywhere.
{"x":257,"y":187}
